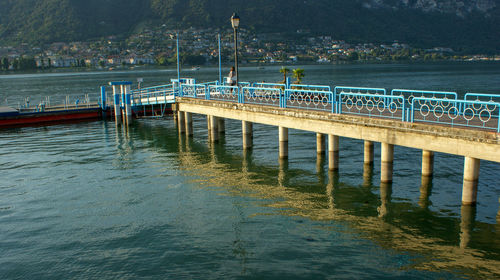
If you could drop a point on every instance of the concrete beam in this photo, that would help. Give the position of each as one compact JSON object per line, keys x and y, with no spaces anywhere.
{"x":457,"y":141}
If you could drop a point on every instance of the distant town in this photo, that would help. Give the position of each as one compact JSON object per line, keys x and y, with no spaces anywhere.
{"x":200,"y":47}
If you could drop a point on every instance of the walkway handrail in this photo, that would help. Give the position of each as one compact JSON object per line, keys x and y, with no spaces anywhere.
{"x":309,"y":99}
{"x":409,"y":94}
{"x":268,"y":85}
{"x":482,"y":97}
{"x":361,"y":90}
{"x":466,"y":113}
{"x":223,"y":93}
{"x":194,"y":90}
{"x":376,"y":105}
{"x":262,"y":96}
{"x":311,"y":87}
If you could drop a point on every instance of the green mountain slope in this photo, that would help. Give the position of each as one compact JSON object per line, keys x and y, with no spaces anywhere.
{"x":473,"y":29}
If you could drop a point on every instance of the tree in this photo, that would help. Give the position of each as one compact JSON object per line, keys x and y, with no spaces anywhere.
{"x":4,"y":64}
{"x":285,"y":72}
{"x":298,"y":74}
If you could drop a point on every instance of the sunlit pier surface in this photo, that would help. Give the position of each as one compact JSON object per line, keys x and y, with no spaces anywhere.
{"x":432,"y":121}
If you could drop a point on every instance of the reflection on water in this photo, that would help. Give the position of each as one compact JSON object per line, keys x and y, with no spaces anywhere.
{"x":441,"y":243}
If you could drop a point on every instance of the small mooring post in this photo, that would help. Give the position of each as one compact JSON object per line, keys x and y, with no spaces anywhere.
{"x":128,"y":102}
{"x":116,"y":102}
{"x":103,"y":101}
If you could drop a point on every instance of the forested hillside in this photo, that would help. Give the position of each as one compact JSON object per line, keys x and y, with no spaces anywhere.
{"x":473,"y":26}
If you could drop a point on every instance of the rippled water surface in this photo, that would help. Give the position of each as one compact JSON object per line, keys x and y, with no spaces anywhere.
{"x":93,"y":200}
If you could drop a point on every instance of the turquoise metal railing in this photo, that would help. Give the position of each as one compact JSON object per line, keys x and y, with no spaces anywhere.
{"x":269,"y":85}
{"x":311,"y":87}
{"x":363,"y":90}
{"x":195,"y":91}
{"x":371,"y":105}
{"x":477,"y":114}
{"x":262,"y":96}
{"x":223,"y":93}
{"x":309,"y":100}
{"x":409,"y":94}
{"x":482,"y":97}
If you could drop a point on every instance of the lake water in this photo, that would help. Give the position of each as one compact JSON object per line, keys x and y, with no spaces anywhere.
{"x":95,"y":201}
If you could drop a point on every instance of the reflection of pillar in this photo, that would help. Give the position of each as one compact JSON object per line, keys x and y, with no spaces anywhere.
{"x":471,"y":177}
{"x":467,"y":218}
{"x":247,"y":156}
{"x":333,"y":182}
{"x":283,"y":170}
{"x":368,"y":159}
{"x":427,"y":163}
{"x":385,"y":199}
{"x":214,"y":132}
{"x":181,"y":123}
{"x":189,"y":123}
{"x":425,"y":191}
{"x":247,"y":133}
{"x":174,"y":113}
{"x":283,"y":138}
{"x":320,"y":160}
{"x":221,"y":124}
{"x":498,"y":215}
{"x":368,"y":175}
{"x":320,"y":143}
{"x":333,"y":152}
{"x":387,"y":159}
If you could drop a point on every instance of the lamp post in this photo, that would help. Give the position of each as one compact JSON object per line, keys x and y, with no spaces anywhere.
{"x":235,"y":22}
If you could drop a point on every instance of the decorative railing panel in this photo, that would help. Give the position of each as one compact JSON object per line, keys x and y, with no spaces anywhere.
{"x":309,"y":99}
{"x":262,"y":96}
{"x":223,"y":93}
{"x":371,"y":105}
{"x":476,"y":114}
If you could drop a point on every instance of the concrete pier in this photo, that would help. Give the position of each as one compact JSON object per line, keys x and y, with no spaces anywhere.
{"x":320,"y":143}
{"x":214,"y":131}
{"x":283,"y":139}
{"x":427,"y":163}
{"x":368,"y":175}
{"x":247,"y":134}
{"x":387,"y":158}
{"x":188,"y":118}
{"x":181,"y":123}
{"x":368,"y":154}
{"x":471,"y":178}
{"x":333,"y":152}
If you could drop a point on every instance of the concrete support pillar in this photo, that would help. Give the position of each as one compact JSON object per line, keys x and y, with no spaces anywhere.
{"x":188,"y":117}
{"x":368,"y":159}
{"x":214,"y":132}
{"x":333,"y":152}
{"x":320,"y":143}
{"x":181,"y":123}
{"x":221,"y":124}
{"x":427,"y":163}
{"x":471,"y":177}
{"x":247,"y":133}
{"x":283,"y":137}
{"x":116,"y":103}
{"x":387,"y":159}
{"x":128,"y":103}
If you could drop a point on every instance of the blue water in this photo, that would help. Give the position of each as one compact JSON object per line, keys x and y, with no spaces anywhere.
{"x":94,"y":200}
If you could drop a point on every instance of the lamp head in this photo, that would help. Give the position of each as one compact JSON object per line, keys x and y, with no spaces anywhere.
{"x":235,"y":21}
